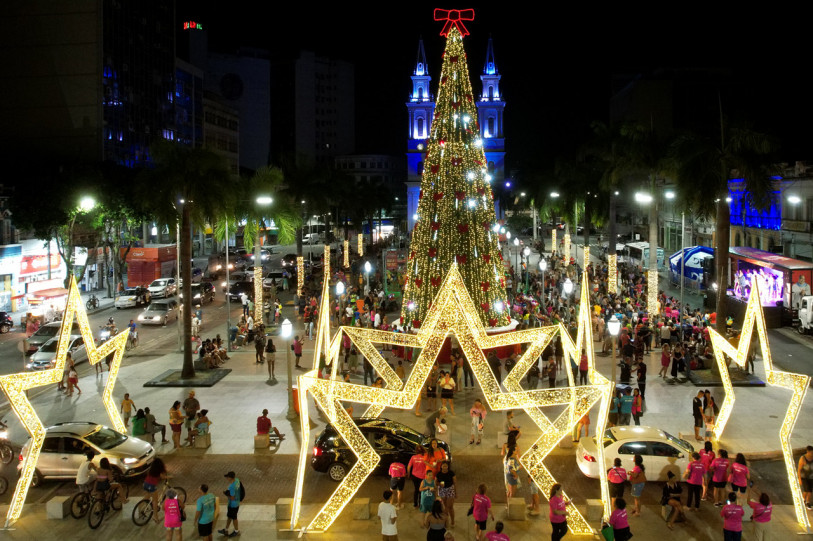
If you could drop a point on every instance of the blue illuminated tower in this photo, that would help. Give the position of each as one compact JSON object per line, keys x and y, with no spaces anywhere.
{"x":421,"y":108}
{"x":490,"y":110}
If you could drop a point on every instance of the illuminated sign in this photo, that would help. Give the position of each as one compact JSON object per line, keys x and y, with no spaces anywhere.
{"x":192,"y":25}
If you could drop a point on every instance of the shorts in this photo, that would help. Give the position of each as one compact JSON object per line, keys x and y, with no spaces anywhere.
{"x":447,"y":492}
{"x":613,"y":418}
{"x":737,"y":488}
{"x":149,"y":487}
{"x":637,"y":489}
{"x":698,"y":422}
{"x":397,"y":483}
{"x":175,"y":428}
{"x":807,"y":485}
{"x":126,"y":414}
{"x":510,"y":480}
{"x":431,"y":393}
{"x":205,"y":530}
{"x":231,"y":512}
{"x":616,"y":490}
{"x":102,"y":486}
{"x":717,"y":484}
{"x":173,"y":528}
{"x":447,"y":393}
{"x":481,"y":523}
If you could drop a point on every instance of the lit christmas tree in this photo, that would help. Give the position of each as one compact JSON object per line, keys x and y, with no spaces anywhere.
{"x":456,"y":220}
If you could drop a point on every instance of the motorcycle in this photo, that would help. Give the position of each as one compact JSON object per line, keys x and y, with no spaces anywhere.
{"x":92,"y":303}
{"x":6,"y":452}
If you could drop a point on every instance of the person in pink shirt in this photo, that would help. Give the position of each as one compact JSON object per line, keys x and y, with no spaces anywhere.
{"x":618,"y":520}
{"x":481,"y":510}
{"x":417,"y":472}
{"x":707,"y":456}
{"x":637,"y":480}
{"x":740,"y":476}
{"x":694,"y":478}
{"x":732,"y":519}
{"x":558,"y":513}
{"x":617,"y":476}
{"x":720,"y":468}
{"x":497,"y":534}
{"x":762,"y":517}
{"x":397,"y":481}
{"x":172,"y":515}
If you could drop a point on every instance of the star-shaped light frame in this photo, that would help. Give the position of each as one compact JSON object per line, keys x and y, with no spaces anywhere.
{"x":451,"y":312}
{"x":15,"y":386}
{"x":796,"y":383}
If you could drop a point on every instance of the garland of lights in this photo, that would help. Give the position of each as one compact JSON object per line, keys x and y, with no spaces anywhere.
{"x":553,"y":240}
{"x":452,"y":311}
{"x":15,"y":386}
{"x":361,"y":244}
{"x":796,"y":383}
{"x":300,"y":275}
{"x":346,"y":254}
{"x":586,"y":256}
{"x":612,"y":273}
{"x":567,"y":248}
{"x":455,"y":221}
{"x":652,"y":291}
{"x":258,"y":294}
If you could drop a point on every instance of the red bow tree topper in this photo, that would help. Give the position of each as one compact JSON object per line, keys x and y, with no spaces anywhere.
{"x":454,"y":17}
{"x":462,"y":228}
{"x":437,"y":196}
{"x":435,"y":281}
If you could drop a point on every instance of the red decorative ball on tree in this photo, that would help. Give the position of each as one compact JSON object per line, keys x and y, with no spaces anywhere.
{"x":460,"y":195}
{"x":461,"y":259}
{"x":433,"y":252}
{"x":435,"y":168}
{"x":462,"y":228}
{"x":418,"y":282}
{"x":435,"y":281}
{"x":416,"y":323}
{"x":492,"y":322}
{"x":485,"y":285}
{"x":435,"y":226}
{"x":437,"y":196}
{"x":487,"y":258}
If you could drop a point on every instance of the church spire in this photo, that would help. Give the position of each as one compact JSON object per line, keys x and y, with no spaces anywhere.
{"x":421,"y":68}
{"x":490,"y":67}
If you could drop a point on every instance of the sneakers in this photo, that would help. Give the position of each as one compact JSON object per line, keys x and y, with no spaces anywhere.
{"x":223,"y":532}
{"x":235,"y":533}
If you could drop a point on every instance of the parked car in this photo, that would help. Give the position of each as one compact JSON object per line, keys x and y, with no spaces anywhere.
{"x":392,"y":440}
{"x":273,"y":276}
{"x":236,"y":289}
{"x":159,"y":312}
{"x":662,"y":452}
{"x":45,"y":356}
{"x":162,"y":287}
{"x":133,"y":296}
{"x":46,"y":332}
{"x":65,"y":445}
{"x":6,"y":323}
{"x":311,"y":238}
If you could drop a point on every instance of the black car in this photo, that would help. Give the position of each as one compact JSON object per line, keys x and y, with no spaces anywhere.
{"x":202,"y":292}
{"x":6,"y":324}
{"x":393,"y":441}
{"x":238,"y":288}
{"x":289,"y":260}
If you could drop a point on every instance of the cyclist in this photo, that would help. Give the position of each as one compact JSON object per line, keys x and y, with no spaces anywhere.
{"x":86,"y":474}
{"x":155,"y":476}
{"x":133,"y":336}
{"x":104,"y":481}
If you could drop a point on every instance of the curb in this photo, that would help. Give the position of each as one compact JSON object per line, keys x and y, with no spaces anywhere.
{"x":772,"y":455}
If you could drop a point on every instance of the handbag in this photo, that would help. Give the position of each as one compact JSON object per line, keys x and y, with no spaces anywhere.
{"x":183,"y":515}
{"x":607,"y":532}
{"x":470,"y":512}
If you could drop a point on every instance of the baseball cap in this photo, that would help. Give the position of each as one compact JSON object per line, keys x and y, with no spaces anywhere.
{"x":230,"y":474}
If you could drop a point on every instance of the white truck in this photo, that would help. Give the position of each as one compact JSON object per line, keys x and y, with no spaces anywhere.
{"x":805,"y":324}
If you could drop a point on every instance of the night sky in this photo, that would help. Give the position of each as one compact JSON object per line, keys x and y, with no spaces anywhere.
{"x":557,"y":63}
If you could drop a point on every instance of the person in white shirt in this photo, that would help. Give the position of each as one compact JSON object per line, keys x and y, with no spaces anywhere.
{"x":86,"y":475}
{"x":388,"y":515}
{"x":244,"y":302}
{"x":377,"y":322}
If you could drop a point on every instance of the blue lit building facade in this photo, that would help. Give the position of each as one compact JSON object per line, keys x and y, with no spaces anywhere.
{"x":421,"y":109}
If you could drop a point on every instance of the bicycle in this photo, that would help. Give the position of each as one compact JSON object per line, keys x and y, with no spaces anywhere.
{"x":80,"y":503}
{"x":142,"y":513}
{"x":100,"y":505}
{"x":132,"y":340}
{"x":92,"y":303}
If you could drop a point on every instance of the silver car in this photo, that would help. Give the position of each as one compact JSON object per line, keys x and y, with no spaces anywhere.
{"x":46,"y":355}
{"x":159,"y":312}
{"x":65,"y":445}
{"x":46,"y":332}
{"x":162,"y":287}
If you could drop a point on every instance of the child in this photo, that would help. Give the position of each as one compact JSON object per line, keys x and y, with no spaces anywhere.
{"x":618,"y":520}
{"x":399,"y":370}
{"x":442,"y":427}
{"x":397,"y":481}
{"x":428,"y":491}
{"x":533,"y":508}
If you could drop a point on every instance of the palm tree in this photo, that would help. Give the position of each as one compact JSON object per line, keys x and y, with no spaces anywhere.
{"x":702,"y":167}
{"x":194,"y":183}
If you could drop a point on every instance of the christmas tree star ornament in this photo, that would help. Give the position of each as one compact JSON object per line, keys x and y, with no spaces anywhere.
{"x":796,"y":383}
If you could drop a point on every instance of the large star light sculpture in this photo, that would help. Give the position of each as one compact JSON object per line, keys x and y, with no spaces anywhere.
{"x":796,"y":383}
{"x":451,"y":312}
{"x":15,"y":386}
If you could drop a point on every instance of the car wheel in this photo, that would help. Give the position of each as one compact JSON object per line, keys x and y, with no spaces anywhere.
{"x":337,"y":471}
{"x":4,"y":329}
{"x":36,"y":479}
{"x":164,"y":322}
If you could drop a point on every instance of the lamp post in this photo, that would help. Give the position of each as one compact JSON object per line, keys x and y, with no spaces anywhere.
{"x":286,"y":329}
{"x":543,"y":266}
{"x":614,"y":326}
{"x":228,"y":299}
{"x":527,"y":252}
{"x":367,"y":269}
{"x":516,"y":261}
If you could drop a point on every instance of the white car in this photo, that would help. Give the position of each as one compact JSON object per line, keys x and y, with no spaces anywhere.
{"x":661,"y":451}
{"x":312,"y":238}
{"x":46,"y":355}
{"x":132,"y":296}
{"x":162,"y":287}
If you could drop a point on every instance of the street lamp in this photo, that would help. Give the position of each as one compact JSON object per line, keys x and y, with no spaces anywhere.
{"x":286,"y":329}
{"x":527,"y":252}
{"x":339,"y":289}
{"x":614,"y":326}
{"x":516,"y":258}
{"x":543,"y":266}
{"x":567,"y":287}
{"x":367,"y":269}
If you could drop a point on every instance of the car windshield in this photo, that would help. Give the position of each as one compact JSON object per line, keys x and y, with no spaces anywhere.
{"x":105,"y":439}
{"x":128,"y":292}
{"x":410,"y":436}
{"x":48,"y":330}
{"x":49,"y":346}
{"x":608,"y":437}
{"x":679,"y":442}
{"x":158,"y":283}
{"x":157,"y":308}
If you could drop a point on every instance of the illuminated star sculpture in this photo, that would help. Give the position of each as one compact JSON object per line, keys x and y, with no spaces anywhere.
{"x":15,"y":387}
{"x":451,"y":312}
{"x":796,"y":383}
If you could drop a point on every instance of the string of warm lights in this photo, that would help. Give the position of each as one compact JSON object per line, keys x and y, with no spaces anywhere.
{"x":258,"y":293}
{"x":455,"y":218}
{"x":15,"y":386}
{"x":652,"y":291}
{"x":612,"y":273}
{"x":452,"y":311}
{"x":567,"y":248}
{"x":300,"y":275}
{"x":553,"y":239}
{"x":361,"y":244}
{"x":586,"y":256}
{"x":796,"y":383}
{"x":346,"y":254}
